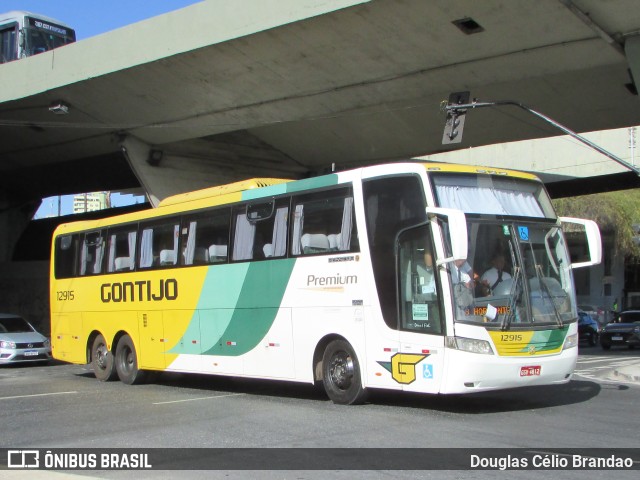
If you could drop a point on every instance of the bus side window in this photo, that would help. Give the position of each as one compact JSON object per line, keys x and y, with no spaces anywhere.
{"x":261,"y":230}
{"x":159,"y":245}
{"x":8,"y":44}
{"x":271,"y":237}
{"x":66,"y":255}
{"x":92,"y":253}
{"x":324,"y":223}
{"x":121,"y":248}
{"x":205,"y":237}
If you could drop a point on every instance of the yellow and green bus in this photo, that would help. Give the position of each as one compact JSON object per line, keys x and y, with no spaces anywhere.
{"x":374,"y":278}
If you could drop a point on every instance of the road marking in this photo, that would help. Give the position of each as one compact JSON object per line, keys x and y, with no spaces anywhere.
{"x":37,"y":395}
{"x":593,"y":360}
{"x":199,"y":398}
{"x":624,"y":363}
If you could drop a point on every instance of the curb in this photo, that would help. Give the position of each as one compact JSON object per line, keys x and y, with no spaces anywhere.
{"x":629,"y":374}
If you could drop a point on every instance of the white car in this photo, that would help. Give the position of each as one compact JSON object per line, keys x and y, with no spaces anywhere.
{"x":19,"y":341}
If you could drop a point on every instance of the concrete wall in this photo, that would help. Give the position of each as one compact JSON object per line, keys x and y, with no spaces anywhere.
{"x":560,"y":156}
{"x":24,"y":290}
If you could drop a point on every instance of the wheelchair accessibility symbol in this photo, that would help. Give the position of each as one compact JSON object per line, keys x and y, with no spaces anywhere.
{"x":427,"y":371}
{"x":524,"y":233}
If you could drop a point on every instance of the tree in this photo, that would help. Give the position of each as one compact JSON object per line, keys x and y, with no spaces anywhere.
{"x":612,"y":211}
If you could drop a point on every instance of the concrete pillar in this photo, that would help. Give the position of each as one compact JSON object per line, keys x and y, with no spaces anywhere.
{"x":24,"y":290}
{"x":632,"y":52}
{"x":15,"y":215}
{"x":163,"y":172}
{"x":24,"y":286}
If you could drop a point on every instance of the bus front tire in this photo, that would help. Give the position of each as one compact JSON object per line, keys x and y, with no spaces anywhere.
{"x":126,"y":362}
{"x":341,"y":374}
{"x":102,"y":360}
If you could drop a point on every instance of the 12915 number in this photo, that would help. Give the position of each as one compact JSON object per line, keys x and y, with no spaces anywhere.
{"x":63,"y":295}
{"x":510,"y":337}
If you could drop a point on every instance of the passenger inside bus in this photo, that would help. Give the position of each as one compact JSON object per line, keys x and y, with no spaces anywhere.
{"x":497,"y":273}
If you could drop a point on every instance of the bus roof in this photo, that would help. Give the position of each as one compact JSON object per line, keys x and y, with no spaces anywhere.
{"x":233,"y":191}
{"x":240,"y":186}
{"x":22,"y":13}
{"x":478,"y":169}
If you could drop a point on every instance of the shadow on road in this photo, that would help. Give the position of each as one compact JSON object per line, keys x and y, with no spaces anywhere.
{"x":526,"y":398}
{"x":512,"y":400}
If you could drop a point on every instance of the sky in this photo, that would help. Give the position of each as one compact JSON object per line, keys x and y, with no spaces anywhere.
{"x":89,"y":18}
{"x":93,"y":17}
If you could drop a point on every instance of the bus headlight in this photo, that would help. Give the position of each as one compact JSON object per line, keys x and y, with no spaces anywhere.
{"x":469,"y":345}
{"x":571,"y":341}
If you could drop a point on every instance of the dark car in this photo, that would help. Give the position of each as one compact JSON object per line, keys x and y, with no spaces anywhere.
{"x":587,"y":328}
{"x":624,"y":330}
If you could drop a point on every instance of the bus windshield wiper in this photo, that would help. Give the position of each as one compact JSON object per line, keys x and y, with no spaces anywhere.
{"x":514,"y":293}
{"x":545,"y":287}
{"x":513,"y":297}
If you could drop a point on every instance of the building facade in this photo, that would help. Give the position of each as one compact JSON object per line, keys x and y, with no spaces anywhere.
{"x":90,"y":202}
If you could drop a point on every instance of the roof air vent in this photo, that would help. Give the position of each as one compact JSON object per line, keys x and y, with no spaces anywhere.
{"x":468,"y":25}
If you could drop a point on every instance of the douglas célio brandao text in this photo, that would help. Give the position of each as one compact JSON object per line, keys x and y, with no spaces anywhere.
{"x":549,"y":461}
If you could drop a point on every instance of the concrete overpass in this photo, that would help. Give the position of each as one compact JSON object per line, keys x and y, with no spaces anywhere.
{"x":224,"y":90}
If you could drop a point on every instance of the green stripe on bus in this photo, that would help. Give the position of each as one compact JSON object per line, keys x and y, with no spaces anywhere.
{"x":548,"y":339}
{"x":312,"y":183}
{"x":258,"y":301}
{"x":270,"y":191}
{"x":291,"y":187}
{"x":219,"y":296}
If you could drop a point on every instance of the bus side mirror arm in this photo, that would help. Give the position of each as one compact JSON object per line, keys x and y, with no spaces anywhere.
{"x":594,"y":242}
{"x":457,"y":223}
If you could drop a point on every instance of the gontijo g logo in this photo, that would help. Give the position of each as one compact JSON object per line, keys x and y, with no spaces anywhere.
{"x":403,"y":367}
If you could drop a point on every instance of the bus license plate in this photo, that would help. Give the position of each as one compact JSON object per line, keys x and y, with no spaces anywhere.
{"x":530,"y":371}
{"x":30,"y":353}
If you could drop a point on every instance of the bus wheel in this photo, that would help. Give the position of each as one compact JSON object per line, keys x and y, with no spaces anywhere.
{"x":126,"y":362}
{"x":102,"y":360}
{"x":341,"y":374}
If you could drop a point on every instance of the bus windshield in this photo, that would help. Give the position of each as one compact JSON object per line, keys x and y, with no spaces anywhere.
{"x":41,"y":36}
{"x":493,"y":195}
{"x":517,"y":270}
{"x":515,"y":273}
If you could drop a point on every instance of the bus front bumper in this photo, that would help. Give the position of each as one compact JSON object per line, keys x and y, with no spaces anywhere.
{"x":469,"y":372}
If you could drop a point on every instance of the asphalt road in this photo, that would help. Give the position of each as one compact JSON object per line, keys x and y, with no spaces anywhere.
{"x":64,"y":406}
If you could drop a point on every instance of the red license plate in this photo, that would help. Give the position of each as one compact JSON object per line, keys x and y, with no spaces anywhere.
{"x":530,"y":371}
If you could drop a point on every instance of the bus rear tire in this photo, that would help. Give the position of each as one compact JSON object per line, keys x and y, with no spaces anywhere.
{"x":126,"y":362}
{"x":102,"y":361}
{"x":341,"y":374}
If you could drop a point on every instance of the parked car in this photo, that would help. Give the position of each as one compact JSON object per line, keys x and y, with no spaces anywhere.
{"x":597,"y":313}
{"x":624,"y":330}
{"x":19,"y":341}
{"x":588,"y":328}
